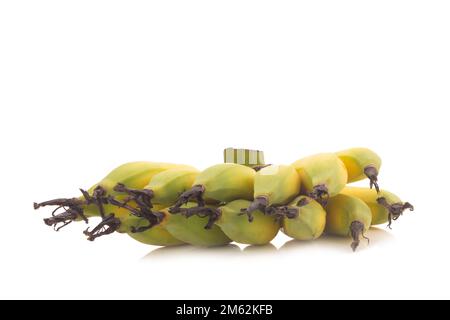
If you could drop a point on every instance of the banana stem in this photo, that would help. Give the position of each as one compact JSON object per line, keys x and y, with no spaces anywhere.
{"x":395,"y":210}
{"x":65,"y":218}
{"x":260,"y":203}
{"x":282,"y":212}
{"x":196,"y":193}
{"x":99,"y":198}
{"x":142,"y":198}
{"x":107,"y":226}
{"x":320,"y":194}
{"x":73,"y":211}
{"x":357,"y":231}
{"x":259,"y":167}
{"x":202,"y":212}
{"x":61,"y":202}
{"x":154,"y":219}
{"x":372,"y":173}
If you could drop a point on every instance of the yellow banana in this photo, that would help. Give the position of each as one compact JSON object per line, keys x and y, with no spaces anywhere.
{"x":162,"y":191}
{"x":274,"y":185}
{"x":385,"y":206}
{"x":322,"y":175}
{"x":190,"y":228}
{"x":168,"y":185}
{"x":361,"y":163}
{"x":261,"y":231}
{"x":303,"y":219}
{"x":157,"y":235}
{"x":223,"y":182}
{"x":348,"y":215}
{"x":96,"y":201}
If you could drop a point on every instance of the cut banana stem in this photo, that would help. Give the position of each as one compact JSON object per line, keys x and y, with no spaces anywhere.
{"x":361,"y":163}
{"x":246,"y":157}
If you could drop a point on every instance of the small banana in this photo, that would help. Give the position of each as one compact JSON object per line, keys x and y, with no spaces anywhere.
{"x":168,"y":185}
{"x":303,"y":219}
{"x":348,"y":215}
{"x":162,"y":191}
{"x":361,"y":163}
{"x":274,"y":185}
{"x":223,"y":182}
{"x":322,"y":176}
{"x":156,"y":236}
{"x":189,"y":227}
{"x":261,"y":231}
{"x":385,"y":206}
{"x":98,"y":201}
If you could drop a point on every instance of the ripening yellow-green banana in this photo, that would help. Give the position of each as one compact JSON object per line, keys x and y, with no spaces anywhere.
{"x":191,"y":228}
{"x":260,"y":231}
{"x":304,"y":219}
{"x":274,"y":185}
{"x":348,"y":216}
{"x":166,"y":186}
{"x":162,"y":191}
{"x":134,"y":175}
{"x":223,"y":182}
{"x":157,"y":235}
{"x":385,"y":206}
{"x":95,"y":201}
{"x":322,"y":175}
{"x":361,"y":163}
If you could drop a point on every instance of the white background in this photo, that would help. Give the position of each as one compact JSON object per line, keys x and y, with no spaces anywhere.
{"x":88,"y":85}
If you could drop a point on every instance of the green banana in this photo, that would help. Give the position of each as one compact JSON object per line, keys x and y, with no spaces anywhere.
{"x":168,"y":185}
{"x":384,"y":205}
{"x":274,"y":185}
{"x":361,"y":163}
{"x":348,"y":215}
{"x":223,"y":182}
{"x":162,"y":191}
{"x":103,"y":200}
{"x":261,"y":231}
{"x":189,"y":227}
{"x":157,"y":235}
{"x":322,"y":176}
{"x":303,"y":219}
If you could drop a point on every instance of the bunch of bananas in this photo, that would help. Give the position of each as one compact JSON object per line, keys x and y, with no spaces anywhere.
{"x":241,"y":200}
